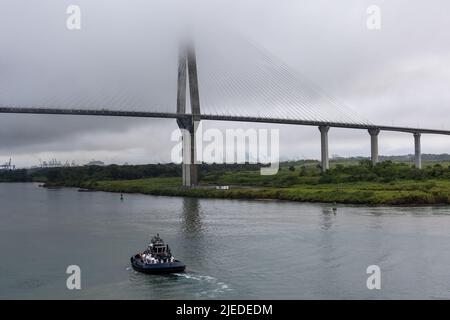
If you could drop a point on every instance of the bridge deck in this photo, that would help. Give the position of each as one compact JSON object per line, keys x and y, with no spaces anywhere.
{"x":143,"y":114}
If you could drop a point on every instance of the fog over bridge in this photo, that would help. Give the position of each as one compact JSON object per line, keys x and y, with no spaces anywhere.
{"x":230,"y":79}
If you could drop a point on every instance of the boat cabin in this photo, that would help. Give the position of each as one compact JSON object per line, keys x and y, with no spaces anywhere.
{"x":158,"y":247}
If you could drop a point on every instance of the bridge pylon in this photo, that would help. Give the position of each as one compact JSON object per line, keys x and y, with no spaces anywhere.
{"x":187,"y":69}
{"x":417,"y":151}
{"x":374,"y":132}
{"x":324,"y":162}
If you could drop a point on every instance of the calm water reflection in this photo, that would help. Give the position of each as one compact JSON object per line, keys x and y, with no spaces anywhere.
{"x":233,"y":249}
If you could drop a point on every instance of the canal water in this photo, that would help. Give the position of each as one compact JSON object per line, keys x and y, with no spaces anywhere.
{"x":233,"y":249}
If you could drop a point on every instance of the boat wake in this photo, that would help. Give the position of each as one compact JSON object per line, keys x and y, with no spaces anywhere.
{"x":210,"y":287}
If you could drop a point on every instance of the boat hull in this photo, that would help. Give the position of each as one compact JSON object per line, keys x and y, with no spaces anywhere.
{"x":159,"y":268}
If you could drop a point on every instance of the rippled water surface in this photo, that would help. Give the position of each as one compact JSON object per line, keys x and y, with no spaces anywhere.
{"x":232,"y":249}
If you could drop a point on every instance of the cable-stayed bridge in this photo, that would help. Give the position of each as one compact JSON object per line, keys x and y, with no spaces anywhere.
{"x":208,"y":84}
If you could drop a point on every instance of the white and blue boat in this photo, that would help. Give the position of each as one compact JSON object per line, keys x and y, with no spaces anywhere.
{"x":157,"y":258}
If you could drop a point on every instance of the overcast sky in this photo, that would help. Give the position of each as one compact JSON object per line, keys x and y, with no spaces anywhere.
{"x":125,"y":55}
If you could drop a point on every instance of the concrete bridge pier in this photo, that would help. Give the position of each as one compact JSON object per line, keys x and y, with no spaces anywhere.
{"x":188,"y":129}
{"x":417,"y":151}
{"x":187,"y":69}
{"x":374,"y":145}
{"x":324,"y":164}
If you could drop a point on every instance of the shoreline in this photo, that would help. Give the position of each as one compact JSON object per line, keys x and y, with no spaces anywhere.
{"x":360,"y":183}
{"x":325,"y":194}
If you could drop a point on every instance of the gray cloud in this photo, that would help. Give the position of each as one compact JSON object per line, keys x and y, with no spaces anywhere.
{"x":125,"y":57}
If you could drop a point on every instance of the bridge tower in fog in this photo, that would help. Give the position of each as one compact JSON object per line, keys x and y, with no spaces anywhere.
{"x":187,"y":75}
{"x":260,"y":90}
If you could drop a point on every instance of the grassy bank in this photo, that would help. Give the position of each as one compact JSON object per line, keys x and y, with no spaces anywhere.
{"x":352,"y":182}
{"x":393,"y":193}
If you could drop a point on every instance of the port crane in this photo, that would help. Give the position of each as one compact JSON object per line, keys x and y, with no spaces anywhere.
{"x":8,"y":165}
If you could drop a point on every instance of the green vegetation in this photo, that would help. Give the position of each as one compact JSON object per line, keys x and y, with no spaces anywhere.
{"x":394,"y":193}
{"x":76,"y":175}
{"x":355,"y":182}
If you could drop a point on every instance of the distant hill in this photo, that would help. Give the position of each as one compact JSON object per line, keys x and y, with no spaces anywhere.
{"x":401,"y":158}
